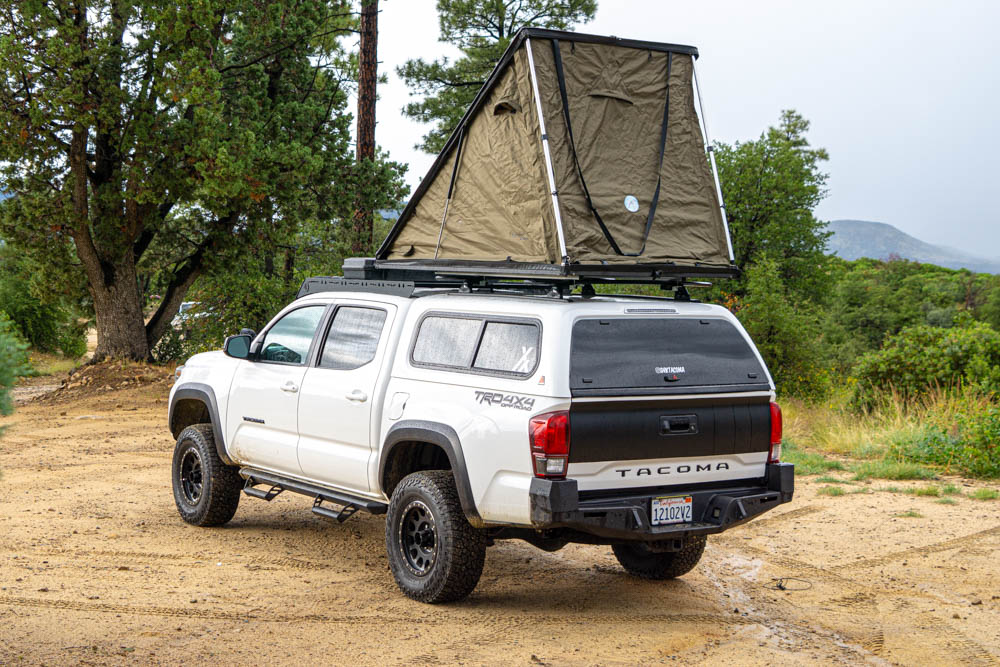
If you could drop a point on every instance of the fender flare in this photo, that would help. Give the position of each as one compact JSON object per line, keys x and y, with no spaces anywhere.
{"x":445,"y":437}
{"x":205,"y":394}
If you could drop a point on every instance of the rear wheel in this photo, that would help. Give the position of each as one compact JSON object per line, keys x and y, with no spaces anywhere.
{"x":639,"y":560}
{"x":434,"y":553}
{"x":206,"y":490}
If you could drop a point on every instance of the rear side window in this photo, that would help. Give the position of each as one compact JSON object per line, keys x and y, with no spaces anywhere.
{"x":659,"y":356}
{"x":353,"y":338}
{"x":477,"y":345}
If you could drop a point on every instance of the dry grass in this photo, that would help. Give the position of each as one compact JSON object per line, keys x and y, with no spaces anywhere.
{"x":831,"y":428}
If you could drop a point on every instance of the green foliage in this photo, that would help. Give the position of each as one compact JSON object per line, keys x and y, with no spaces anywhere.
{"x":482,"y":30}
{"x":771,"y":186}
{"x":970,"y":445}
{"x":157,"y":139}
{"x":924,"y":357}
{"x":13,"y":361}
{"x":984,"y":494}
{"x":830,"y":491}
{"x":787,"y":334}
{"x":46,"y":324}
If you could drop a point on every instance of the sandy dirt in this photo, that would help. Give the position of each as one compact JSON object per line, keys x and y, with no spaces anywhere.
{"x":96,"y":567}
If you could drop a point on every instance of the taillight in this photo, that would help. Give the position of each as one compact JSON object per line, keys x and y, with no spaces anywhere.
{"x":774,"y":454}
{"x":549,"y":437}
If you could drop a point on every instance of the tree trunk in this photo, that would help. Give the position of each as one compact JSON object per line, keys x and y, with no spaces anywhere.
{"x":121,"y":331}
{"x":361,"y":237}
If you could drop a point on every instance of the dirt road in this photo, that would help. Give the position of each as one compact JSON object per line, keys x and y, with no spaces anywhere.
{"x":96,"y":567}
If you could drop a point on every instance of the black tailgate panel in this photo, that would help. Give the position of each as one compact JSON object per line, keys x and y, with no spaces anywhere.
{"x":669,"y":428}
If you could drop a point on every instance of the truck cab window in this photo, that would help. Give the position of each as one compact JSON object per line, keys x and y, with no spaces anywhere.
{"x":289,"y":339}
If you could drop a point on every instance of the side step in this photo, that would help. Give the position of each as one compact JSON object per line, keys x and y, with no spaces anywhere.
{"x":277,"y":484}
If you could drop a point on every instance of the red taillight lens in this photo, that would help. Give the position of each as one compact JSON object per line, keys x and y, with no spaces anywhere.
{"x":774,"y":455}
{"x":549,"y":437}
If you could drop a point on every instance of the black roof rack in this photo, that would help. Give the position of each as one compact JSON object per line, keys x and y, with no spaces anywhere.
{"x":364,"y":274}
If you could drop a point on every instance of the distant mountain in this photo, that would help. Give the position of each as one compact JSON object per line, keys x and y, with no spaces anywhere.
{"x":861,"y":238}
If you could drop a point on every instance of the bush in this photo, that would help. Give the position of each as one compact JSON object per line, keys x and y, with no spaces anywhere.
{"x":970,"y":445}
{"x":921,"y":358}
{"x":785,"y":333}
{"x":13,"y":361}
{"x":46,"y":326}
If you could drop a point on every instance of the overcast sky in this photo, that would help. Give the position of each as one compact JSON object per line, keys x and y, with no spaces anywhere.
{"x":905,"y":95}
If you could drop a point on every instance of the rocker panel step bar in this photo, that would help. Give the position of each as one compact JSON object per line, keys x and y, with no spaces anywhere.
{"x":318,"y":493}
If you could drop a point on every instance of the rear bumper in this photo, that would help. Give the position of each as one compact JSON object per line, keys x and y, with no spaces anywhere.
{"x":556,"y":504}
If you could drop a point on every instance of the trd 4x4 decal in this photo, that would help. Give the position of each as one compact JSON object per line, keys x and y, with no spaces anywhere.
{"x":505,"y":400}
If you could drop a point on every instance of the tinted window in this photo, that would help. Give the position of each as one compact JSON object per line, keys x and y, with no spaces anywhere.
{"x":446,"y":341}
{"x":353,"y":338}
{"x":288,"y":340}
{"x":509,"y":347}
{"x":661,"y":355}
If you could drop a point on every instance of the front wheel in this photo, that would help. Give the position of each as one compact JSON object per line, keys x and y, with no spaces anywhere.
{"x":206,"y":490}
{"x":641,"y":561}
{"x":434,"y":553}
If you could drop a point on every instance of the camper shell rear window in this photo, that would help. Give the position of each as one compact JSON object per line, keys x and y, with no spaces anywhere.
{"x":482,"y":344}
{"x":643,"y":356}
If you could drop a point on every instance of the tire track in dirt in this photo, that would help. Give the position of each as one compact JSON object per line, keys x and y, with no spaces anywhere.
{"x":381,"y":618}
{"x":945,"y":545}
{"x":863,"y":601}
{"x":785,"y":516}
{"x":286,"y":562}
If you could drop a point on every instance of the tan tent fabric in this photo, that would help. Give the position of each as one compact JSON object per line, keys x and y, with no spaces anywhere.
{"x":501,"y":205}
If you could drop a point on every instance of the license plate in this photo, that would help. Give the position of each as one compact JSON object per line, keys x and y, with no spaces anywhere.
{"x":674,"y":509}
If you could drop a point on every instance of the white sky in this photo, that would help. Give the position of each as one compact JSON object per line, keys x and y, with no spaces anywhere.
{"x":905,"y":95}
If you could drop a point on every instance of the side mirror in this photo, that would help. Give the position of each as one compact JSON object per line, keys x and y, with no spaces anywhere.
{"x":237,"y":347}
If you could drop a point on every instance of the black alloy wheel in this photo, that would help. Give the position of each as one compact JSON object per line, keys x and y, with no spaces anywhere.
{"x":418,"y":538}
{"x":191,"y":476}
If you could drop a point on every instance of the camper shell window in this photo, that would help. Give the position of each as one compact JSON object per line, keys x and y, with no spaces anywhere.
{"x":485,"y":345}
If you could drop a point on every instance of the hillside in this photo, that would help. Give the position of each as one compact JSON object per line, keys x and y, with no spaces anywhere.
{"x":862,"y":238}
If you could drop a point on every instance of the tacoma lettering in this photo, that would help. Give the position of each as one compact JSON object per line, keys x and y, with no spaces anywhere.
{"x":666,"y":470}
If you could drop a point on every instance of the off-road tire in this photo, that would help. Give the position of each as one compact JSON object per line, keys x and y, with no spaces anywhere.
{"x":218,"y":493}
{"x":638,"y":560}
{"x":459,"y":549}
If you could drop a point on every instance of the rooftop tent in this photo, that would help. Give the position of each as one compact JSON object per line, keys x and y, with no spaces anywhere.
{"x":580,"y":155}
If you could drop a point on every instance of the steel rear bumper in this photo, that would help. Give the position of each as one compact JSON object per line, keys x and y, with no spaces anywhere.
{"x":556,"y":504}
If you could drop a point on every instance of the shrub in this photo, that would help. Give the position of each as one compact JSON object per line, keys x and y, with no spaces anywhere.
{"x":923,"y":357}
{"x":46,"y":326}
{"x":969,"y":445}
{"x":786,"y":334}
{"x":13,"y":361}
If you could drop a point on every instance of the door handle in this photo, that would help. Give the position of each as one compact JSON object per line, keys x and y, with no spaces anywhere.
{"x":290,"y":387}
{"x":357,"y":395}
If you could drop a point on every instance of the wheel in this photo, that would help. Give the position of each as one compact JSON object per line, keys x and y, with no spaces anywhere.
{"x":639,"y":560}
{"x":206,"y":490}
{"x":434,"y":554}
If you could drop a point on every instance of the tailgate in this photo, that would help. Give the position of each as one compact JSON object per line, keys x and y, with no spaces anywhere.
{"x":668,"y":441}
{"x":663,"y":401}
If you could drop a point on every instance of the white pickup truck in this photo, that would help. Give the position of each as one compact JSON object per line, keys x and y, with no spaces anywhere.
{"x":467,"y":416}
